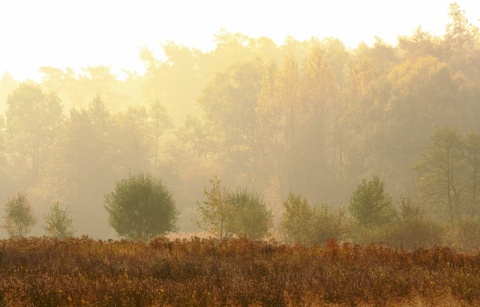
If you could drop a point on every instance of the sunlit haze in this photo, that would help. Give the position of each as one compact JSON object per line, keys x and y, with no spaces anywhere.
{"x":76,"y":34}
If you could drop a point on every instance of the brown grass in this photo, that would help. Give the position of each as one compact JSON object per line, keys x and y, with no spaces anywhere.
{"x":238,"y":272}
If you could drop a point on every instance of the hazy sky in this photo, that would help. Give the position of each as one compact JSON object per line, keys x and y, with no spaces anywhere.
{"x":81,"y":33}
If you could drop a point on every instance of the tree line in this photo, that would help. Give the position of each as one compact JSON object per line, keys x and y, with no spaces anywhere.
{"x":311,"y":118}
{"x":141,"y":208}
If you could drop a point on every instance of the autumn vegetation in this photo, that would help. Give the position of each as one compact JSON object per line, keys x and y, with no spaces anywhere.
{"x":82,"y":271}
{"x":310,"y":173}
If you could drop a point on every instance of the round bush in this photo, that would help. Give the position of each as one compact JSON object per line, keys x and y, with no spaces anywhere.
{"x":141,"y":208}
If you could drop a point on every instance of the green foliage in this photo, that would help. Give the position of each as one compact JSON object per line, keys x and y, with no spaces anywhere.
{"x":18,"y":217}
{"x":58,"y":222}
{"x":250,"y":216}
{"x":4,"y":177}
{"x":298,"y":220}
{"x":472,"y":148}
{"x":141,"y":208}
{"x":224,"y":213}
{"x":413,"y":229}
{"x":370,"y":205}
{"x":33,"y":122}
{"x":302,"y":223}
{"x":447,"y":173}
{"x":215,"y":211}
{"x":330,"y":224}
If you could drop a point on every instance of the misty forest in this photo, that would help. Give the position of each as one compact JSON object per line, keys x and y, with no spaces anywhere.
{"x":306,"y":123}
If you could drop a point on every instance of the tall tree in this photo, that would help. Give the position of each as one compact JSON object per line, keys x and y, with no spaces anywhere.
{"x":319,"y":93}
{"x":442,"y":172}
{"x":364,"y":109}
{"x":288,"y":91}
{"x":229,"y":103}
{"x":33,"y":122}
{"x":167,"y":79}
{"x":461,"y":42}
{"x":159,"y":123}
{"x":7,"y":86}
{"x":472,"y":146}
{"x":419,"y":44}
{"x":132,"y":145}
{"x":421,"y":94}
{"x":65,"y":84}
{"x":4,"y":180}
{"x":270,"y":128}
{"x":89,"y":164}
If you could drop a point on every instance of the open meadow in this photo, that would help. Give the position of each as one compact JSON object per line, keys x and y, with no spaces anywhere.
{"x":235,"y":272}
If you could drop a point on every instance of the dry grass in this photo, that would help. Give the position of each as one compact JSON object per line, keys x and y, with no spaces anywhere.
{"x":205,"y":272}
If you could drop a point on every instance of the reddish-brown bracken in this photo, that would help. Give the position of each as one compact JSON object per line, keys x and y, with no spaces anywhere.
{"x":235,"y":272}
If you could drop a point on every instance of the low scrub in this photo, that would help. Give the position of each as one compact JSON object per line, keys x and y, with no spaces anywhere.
{"x":200,"y":272}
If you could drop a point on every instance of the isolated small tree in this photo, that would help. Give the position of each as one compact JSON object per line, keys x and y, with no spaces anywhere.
{"x":58,"y":222}
{"x":141,"y":208}
{"x":370,"y":205}
{"x":18,"y":217}
{"x":216,"y":210}
{"x":299,"y":220}
{"x":249,"y":217}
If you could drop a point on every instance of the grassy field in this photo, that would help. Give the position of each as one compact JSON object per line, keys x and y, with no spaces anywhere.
{"x":205,"y":272}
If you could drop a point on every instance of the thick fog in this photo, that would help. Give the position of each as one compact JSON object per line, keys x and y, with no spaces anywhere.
{"x":310,"y":117}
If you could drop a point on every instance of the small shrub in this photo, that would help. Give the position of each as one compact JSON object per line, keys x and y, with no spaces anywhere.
{"x":18,"y":216}
{"x":413,"y":229}
{"x":303,"y":223}
{"x":298,"y":220}
{"x":215,"y":210}
{"x":329,"y":224}
{"x":224,"y":213}
{"x":250,"y":217}
{"x":465,"y":234}
{"x":58,"y":222}
{"x":370,"y":205}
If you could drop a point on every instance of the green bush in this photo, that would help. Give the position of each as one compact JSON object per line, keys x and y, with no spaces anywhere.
{"x":305,"y":224}
{"x":329,"y":224}
{"x":18,"y":216}
{"x":215,"y":211}
{"x":250,"y":217}
{"x":241,"y":213}
{"x":410,"y":229}
{"x":58,"y":222}
{"x":298,"y":220}
{"x":413,"y":229}
{"x":370,"y":205}
{"x":141,"y":208}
